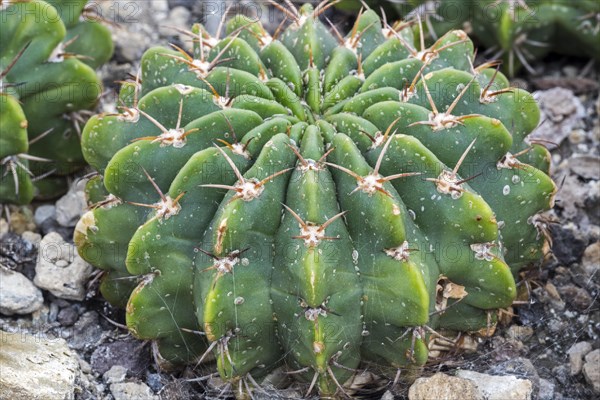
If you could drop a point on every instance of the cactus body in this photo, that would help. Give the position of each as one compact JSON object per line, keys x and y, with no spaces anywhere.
{"x":313,"y":200}
{"x":47,"y":55}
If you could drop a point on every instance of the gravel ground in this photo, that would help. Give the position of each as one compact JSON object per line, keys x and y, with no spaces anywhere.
{"x":551,"y":345}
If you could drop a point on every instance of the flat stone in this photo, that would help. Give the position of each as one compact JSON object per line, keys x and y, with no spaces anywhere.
{"x":17,"y":294}
{"x":576,"y":354}
{"x":491,"y":387}
{"x":35,"y":368}
{"x":60,"y":269}
{"x":441,"y":386}
{"x":518,"y":367}
{"x":591,"y":370}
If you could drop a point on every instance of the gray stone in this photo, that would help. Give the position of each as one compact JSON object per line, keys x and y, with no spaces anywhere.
{"x":178,"y":17}
{"x":116,"y":374}
{"x":562,"y":110}
{"x":587,"y":167}
{"x":34,"y":368}
{"x":87,"y":331}
{"x":576,"y":354}
{"x":44,"y":212}
{"x":441,"y":386}
{"x":546,"y":391}
{"x":132,"y":391}
{"x":591,"y":370}
{"x":72,"y":205}
{"x":17,"y":294}
{"x":492,"y":387}
{"x":60,"y":269}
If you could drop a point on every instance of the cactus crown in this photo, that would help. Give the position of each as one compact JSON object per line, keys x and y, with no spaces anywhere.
{"x":313,"y":199}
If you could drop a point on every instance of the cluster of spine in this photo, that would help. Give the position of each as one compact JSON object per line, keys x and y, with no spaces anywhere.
{"x":48,"y":53}
{"x":313,"y":200}
{"x":517,"y":31}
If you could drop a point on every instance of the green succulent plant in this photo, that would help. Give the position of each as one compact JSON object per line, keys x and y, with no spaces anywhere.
{"x":517,"y":31}
{"x":48,"y":53}
{"x":313,"y":200}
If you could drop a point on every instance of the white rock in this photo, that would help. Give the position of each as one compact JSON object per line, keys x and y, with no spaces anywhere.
{"x":591,"y":259}
{"x":72,"y":205}
{"x":17,"y":294}
{"x":387,"y":396}
{"x":60,"y":269}
{"x":132,"y":391}
{"x":443,"y":387}
{"x":492,"y":387}
{"x":3,"y":227}
{"x":35,"y":368}
{"x":32,"y":237}
{"x":44,"y":212}
{"x":576,"y":354}
{"x":591,"y":369}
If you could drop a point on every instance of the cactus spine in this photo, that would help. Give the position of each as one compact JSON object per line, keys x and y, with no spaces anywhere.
{"x":312,"y":199}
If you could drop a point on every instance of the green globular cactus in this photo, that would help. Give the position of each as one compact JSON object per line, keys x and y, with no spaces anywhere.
{"x":48,"y":53}
{"x":313,"y":200}
{"x":519,"y":32}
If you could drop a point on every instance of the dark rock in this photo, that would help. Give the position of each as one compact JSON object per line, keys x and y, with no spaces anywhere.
{"x":562,"y":373}
{"x":154,"y":381}
{"x":15,"y":251}
{"x":129,"y":353}
{"x":567,"y":247}
{"x":67,"y":316}
{"x":50,"y":225}
{"x":576,"y":296}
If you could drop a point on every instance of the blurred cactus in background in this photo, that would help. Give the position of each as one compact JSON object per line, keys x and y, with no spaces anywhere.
{"x":48,"y":53}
